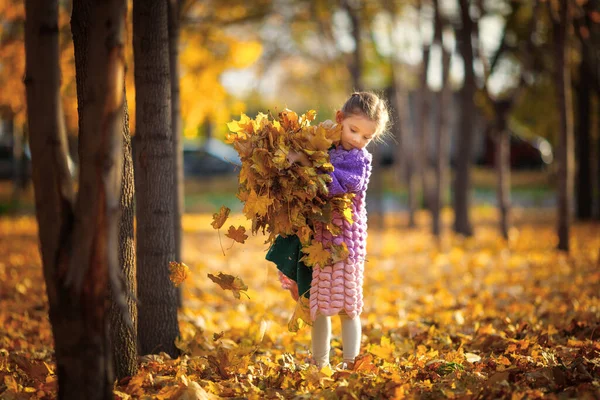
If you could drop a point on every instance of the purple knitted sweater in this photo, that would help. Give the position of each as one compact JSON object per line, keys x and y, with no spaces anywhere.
{"x":338,"y":288}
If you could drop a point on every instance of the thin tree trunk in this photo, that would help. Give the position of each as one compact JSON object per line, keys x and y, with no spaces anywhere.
{"x":178,"y":207}
{"x":584,"y":176}
{"x":407,"y":144}
{"x":121,"y":316}
{"x":462,"y":180}
{"x":442,"y":137}
{"x":355,"y":65}
{"x":565,"y":142}
{"x":422,"y":129}
{"x":154,"y":172}
{"x":123,"y":331}
{"x":502,"y":159}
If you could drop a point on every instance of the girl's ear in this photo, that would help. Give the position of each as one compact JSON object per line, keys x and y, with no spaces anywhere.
{"x":339,"y":116}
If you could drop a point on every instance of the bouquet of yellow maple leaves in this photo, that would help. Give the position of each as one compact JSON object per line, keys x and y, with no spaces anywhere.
{"x":283,"y":198}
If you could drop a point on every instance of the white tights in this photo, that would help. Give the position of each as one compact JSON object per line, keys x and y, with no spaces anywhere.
{"x":321,"y":338}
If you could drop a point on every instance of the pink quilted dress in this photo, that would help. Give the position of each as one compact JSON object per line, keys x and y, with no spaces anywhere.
{"x":338,"y":288}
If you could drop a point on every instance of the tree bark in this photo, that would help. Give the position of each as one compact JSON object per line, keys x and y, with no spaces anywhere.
{"x":584,"y":175}
{"x":121,"y":316}
{"x":154,"y":172}
{"x":565,"y":142}
{"x":462,"y":180}
{"x":78,"y":244}
{"x":178,"y":204}
{"x":123,"y":326}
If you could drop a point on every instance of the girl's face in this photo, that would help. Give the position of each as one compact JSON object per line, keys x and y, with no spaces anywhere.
{"x":357,"y":130}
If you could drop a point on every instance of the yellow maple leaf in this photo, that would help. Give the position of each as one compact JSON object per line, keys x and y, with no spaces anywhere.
{"x":244,"y":124}
{"x":319,"y":140}
{"x":230,"y":282}
{"x":257,"y":205}
{"x":220,"y":217}
{"x":315,"y":254}
{"x":178,"y":272}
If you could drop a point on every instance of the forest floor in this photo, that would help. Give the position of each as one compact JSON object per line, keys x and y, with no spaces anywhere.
{"x":461,"y":318}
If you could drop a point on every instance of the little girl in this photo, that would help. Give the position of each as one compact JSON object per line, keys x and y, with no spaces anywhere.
{"x":337,"y":289}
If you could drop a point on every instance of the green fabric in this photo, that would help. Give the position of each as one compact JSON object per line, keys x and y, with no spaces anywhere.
{"x":286,"y":253}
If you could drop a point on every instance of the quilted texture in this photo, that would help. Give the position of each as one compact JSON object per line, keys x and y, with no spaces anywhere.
{"x":338,"y":287}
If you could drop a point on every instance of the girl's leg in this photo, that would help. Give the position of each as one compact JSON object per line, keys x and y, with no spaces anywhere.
{"x":321,"y":338}
{"x":351,"y":333}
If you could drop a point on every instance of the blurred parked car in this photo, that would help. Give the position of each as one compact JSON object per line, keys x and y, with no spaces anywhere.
{"x":531,"y":153}
{"x":209,"y":159}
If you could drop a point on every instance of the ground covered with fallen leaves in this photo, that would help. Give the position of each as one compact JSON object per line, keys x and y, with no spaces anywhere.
{"x":475,"y":318}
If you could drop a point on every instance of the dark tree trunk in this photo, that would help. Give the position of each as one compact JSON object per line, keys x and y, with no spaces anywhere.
{"x":154,"y":183}
{"x":78,"y":244}
{"x":123,"y":327}
{"x":355,"y":63}
{"x":442,"y":137}
{"x":52,"y":185}
{"x":121,"y":316}
{"x":565,"y":142}
{"x":422,"y":130}
{"x":462,"y":180}
{"x":584,"y":167}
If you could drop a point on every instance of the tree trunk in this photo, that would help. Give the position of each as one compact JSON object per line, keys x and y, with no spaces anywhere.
{"x":407,"y":143}
{"x":78,"y":251}
{"x":123,"y":327}
{"x":462,"y":180}
{"x":355,"y":64}
{"x":52,"y":185}
{"x":178,"y":204}
{"x":154,"y":172}
{"x":443,"y":147}
{"x":584,"y":167}
{"x":442,"y":137}
{"x":565,"y":142}
{"x":422,"y":130}
{"x":121,"y":316}
{"x":502,"y":159}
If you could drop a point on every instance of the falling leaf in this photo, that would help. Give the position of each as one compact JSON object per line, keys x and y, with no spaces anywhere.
{"x":238,"y":234}
{"x":220,"y":217}
{"x":230,"y":282}
{"x":178,"y":272}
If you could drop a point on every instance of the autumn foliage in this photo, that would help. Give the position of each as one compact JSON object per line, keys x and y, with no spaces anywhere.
{"x":283,"y":198}
{"x":472,"y":318}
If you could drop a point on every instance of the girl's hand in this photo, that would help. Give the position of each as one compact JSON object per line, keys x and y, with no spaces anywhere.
{"x":294,"y":156}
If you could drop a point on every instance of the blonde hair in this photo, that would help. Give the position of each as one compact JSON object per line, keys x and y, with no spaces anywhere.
{"x":371,"y":106}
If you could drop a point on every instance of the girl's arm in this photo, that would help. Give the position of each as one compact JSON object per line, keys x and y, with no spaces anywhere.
{"x":351,"y":171}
